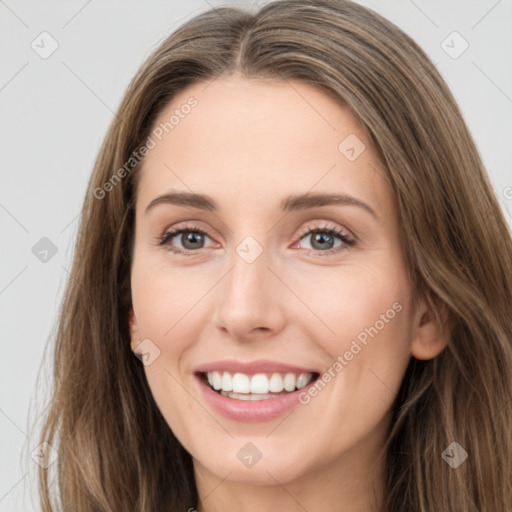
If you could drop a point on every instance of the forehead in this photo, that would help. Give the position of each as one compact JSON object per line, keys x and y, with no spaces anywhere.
{"x":259,"y":138}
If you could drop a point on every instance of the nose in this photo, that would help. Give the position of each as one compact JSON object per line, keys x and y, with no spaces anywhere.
{"x":250,"y":300}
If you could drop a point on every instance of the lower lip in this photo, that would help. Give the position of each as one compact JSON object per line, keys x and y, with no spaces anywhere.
{"x":251,"y":410}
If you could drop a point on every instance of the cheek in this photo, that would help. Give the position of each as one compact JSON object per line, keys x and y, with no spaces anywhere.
{"x":165,"y":301}
{"x":164,"y":307}
{"x":353,"y":300}
{"x":364,"y":324}
{"x":369,"y":349}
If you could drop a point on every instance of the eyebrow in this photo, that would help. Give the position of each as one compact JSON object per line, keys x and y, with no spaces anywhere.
{"x":290,"y":203}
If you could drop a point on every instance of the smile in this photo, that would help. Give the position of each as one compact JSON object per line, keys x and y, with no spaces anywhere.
{"x":253,"y":391}
{"x":259,"y":386}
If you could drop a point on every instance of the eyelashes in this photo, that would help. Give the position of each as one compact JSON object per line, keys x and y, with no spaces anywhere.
{"x":331,"y":230}
{"x":166,"y":238}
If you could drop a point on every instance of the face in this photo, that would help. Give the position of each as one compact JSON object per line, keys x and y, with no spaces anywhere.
{"x":237,"y":288}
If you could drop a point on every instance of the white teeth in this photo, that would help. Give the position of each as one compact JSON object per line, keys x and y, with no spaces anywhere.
{"x":276,"y":383}
{"x":248,"y":396}
{"x":227,"y":384}
{"x":289,"y":382}
{"x":241,"y":383}
{"x":217,"y":380}
{"x":257,"y":384}
{"x":302,"y":381}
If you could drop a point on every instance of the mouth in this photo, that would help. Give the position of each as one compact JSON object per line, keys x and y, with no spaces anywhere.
{"x":256,"y":386}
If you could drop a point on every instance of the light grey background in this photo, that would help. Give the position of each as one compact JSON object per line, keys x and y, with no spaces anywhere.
{"x":54,"y":114}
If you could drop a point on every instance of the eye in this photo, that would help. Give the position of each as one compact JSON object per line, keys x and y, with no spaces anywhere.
{"x":322,"y":239}
{"x":191,"y":237}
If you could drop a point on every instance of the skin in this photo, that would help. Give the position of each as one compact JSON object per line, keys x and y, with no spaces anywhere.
{"x":248,"y":144}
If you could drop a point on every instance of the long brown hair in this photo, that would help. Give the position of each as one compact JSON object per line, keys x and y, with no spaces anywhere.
{"x":115,"y":450}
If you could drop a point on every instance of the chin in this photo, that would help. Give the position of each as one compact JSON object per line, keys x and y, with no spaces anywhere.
{"x":263,"y":472}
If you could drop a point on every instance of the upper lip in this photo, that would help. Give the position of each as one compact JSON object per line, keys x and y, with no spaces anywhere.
{"x":251,"y":367}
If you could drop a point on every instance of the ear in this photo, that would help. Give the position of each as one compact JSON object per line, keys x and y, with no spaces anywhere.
{"x":134,"y":330}
{"x":432,"y":328}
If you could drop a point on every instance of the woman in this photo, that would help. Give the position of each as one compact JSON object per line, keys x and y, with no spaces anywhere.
{"x":273,"y":370}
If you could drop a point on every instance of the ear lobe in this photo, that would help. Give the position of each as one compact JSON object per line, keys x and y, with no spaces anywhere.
{"x":134,"y":330}
{"x":432,"y":328}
